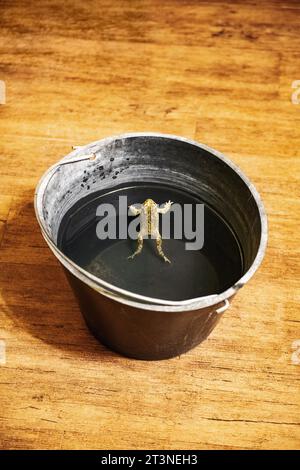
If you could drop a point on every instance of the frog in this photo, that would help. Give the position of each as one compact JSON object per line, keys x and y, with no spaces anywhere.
{"x":149,"y":225}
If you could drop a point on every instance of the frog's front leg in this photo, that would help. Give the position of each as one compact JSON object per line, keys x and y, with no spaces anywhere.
{"x":134,"y":210}
{"x":159,"y":248}
{"x":140,"y":241}
{"x":166,"y":208}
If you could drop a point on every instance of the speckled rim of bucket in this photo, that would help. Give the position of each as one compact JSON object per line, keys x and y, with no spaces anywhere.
{"x":128,"y":297}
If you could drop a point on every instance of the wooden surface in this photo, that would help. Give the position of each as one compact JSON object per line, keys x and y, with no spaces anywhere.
{"x":220,"y":72}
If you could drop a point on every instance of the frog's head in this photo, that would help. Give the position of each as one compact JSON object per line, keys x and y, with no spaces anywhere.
{"x":149,"y":203}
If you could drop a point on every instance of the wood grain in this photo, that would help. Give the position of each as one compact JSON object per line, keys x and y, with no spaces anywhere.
{"x":220,"y":72}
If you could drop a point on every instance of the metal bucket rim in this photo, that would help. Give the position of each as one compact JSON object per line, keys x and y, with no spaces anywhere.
{"x":128,"y":297}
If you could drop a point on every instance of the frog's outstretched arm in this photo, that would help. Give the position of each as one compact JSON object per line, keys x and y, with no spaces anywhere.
{"x":135,"y":210}
{"x":166,"y":208}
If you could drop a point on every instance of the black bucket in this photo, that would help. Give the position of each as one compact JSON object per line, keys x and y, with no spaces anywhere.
{"x":146,"y":308}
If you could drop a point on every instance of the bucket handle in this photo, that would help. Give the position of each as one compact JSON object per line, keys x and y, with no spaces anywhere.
{"x":223,"y":308}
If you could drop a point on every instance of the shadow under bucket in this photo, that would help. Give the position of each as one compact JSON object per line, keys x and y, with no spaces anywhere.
{"x":144,"y":307}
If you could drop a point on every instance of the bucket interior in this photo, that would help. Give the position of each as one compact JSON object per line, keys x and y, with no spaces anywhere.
{"x":160,"y":168}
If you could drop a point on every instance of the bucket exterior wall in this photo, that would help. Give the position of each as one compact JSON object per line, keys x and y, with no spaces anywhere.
{"x":139,"y":333}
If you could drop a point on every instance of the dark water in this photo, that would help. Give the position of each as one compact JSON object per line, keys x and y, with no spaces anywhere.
{"x":209,"y":270}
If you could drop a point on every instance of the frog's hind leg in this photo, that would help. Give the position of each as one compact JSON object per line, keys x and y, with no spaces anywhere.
{"x":159,"y":248}
{"x":139,"y":247}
